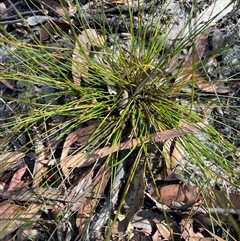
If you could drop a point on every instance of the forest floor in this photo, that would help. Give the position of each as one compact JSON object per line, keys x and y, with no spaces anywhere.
{"x":45,"y":194}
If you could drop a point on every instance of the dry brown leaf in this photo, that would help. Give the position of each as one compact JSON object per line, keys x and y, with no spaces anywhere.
{"x":188,"y":60}
{"x":191,"y":195}
{"x":8,"y":212}
{"x":177,"y":155}
{"x":156,"y":236}
{"x":187,"y":66}
{"x":86,"y":159}
{"x":13,"y":217}
{"x":54,"y":6}
{"x":98,"y":186}
{"x":167,"y":157}
{"x":80,"y":64}
{"x":196,"y":57}
{"x":84,"y":185}
{"x":211,"y":86}
{"x":59,"y":207}
{"x":188,"y":72}
{"x":175,"y":158}
{"x":32,"y":214}
{"x":53,"y":194}
{"x":148,"y":232}
{"x":81,"y":135}
{"x":200,"y":82}
{"x":40,"y":157}
{"x":163,"y":230}
{"x":83,"y":217}
{"x":16,"y":179}
{"x":10,"y":160}
{"x":177,"y":192}
{"x":46,"y":29}
{"x":215,"y":237}
{"x":187,"y":229}
{"x":223,"y":200}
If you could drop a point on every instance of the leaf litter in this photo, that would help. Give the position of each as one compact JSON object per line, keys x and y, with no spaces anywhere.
{"x":84,"y":199}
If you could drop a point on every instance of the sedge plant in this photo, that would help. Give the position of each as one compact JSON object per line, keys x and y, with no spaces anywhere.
{"x":129,"y":90}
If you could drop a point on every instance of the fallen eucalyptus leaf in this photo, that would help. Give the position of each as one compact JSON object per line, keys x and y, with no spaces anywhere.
{"x":217,"y":10}
{"x":14,"y":216}
{"x":217,"y":40}
{"x":11,"y":161}
{"x":86,"y":159}
{"x":37,"y":19}
{"x":80,"y":57}
{"x":16,"y":179}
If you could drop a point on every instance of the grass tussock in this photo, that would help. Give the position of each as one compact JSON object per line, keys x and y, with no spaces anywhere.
{"x":130,"y":88}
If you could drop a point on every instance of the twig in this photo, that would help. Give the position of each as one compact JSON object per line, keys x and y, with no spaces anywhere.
{"x":16,"y":17}
{"x":11,"y":22}
{"x":40,"y":195}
